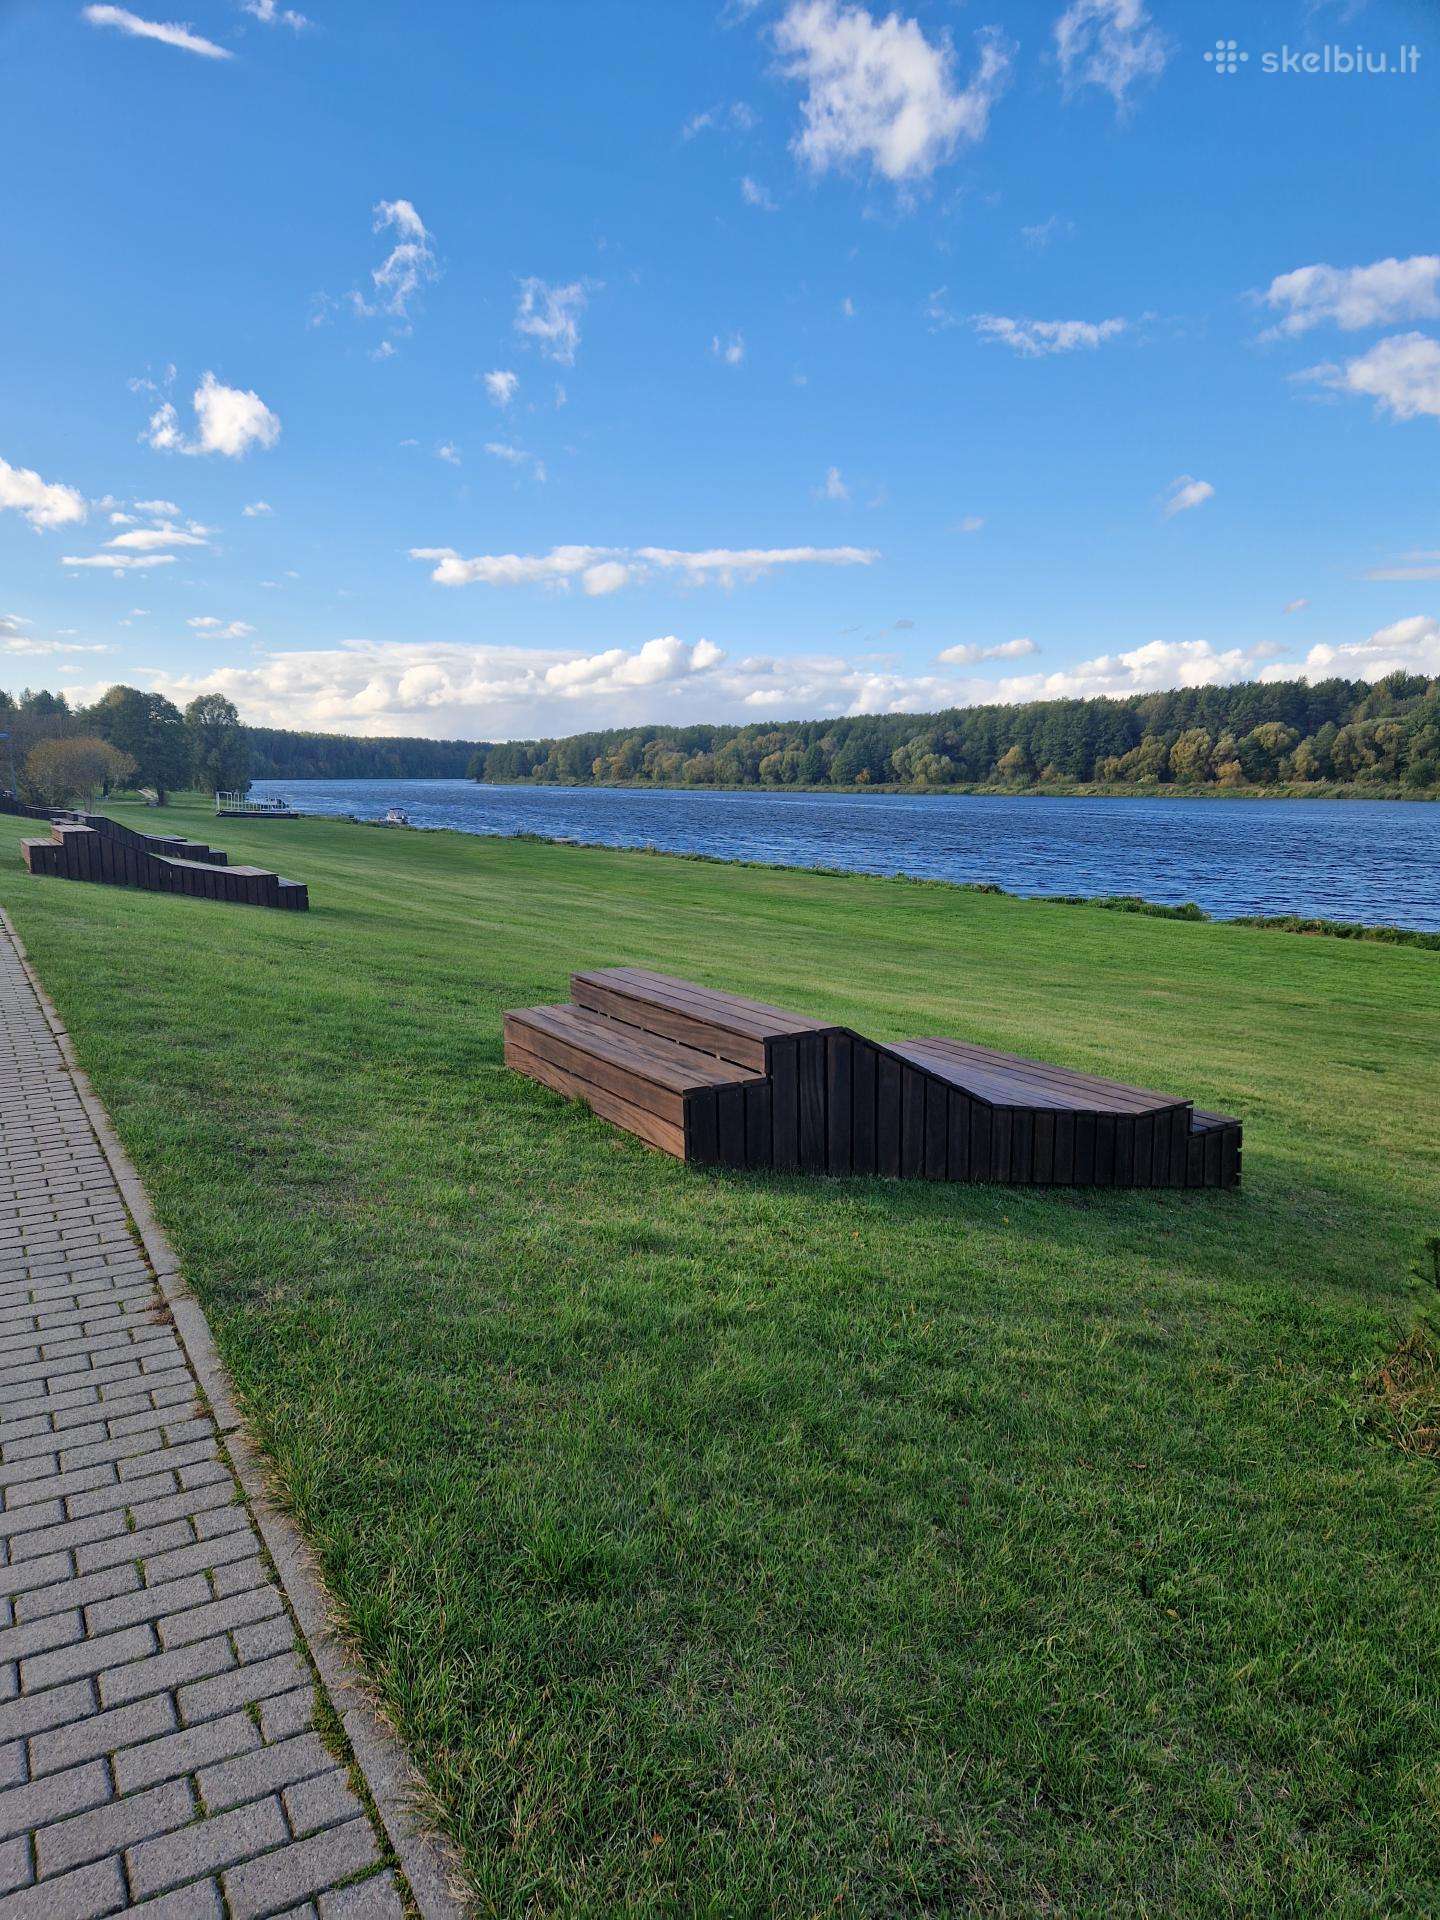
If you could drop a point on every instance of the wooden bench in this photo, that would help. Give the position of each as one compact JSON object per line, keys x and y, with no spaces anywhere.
{"x":717,"y":1078}
{"x":82,"y":850}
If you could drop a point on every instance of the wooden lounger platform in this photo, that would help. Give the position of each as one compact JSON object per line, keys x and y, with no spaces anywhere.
{"x":92,"y":847}
{"x":721,"y":1080}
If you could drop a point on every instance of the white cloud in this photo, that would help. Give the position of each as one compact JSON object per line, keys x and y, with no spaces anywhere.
{"x":1379,"y":295}
{"x":1295,"y":606}
{"x":515,"y":457}
{"x":971,"y":523}
{"x":168,"y":32}
{"x":1401,"y":374}
{"x":385,"y":351}
{"x":214,"y":628}
{"x":50,"y":647}
{"x":834,"y":487}
{"x":502,"y":386}
{"x":162,"y":509}
{"x":1033,"y":338}
{"x":449,"y":690}
{"x":229,"y":421}
{"x":603,"y":570}
{"x":1411,"y":645}
{"x":149,"y":539}
{"x":410,"y":263}
{"x":257,"y":509}
{"x":272,"y":14}
{"x":119,"y":563}
{"x":1183,"y":493}
{"x":968,"y":655}
{"x":44,"y":503}
{"x":1411,"y":566}
{"x":847,"y":307}
{"x":755,"y":195}
{"x":1112,"y":44}
{"x":731,"y":350}
{"x":550,"y":316}
{"x":449,"y":453}
{"x":878,"y":91}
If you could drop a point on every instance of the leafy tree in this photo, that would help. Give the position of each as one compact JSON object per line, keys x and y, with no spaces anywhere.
{"x":151,"y":730}
{"x":63,"y":773}
{"x":219,"y":751}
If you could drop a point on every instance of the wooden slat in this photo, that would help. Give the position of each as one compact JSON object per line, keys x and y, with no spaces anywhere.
{"x":1043,"y":1165}
{"x":1022,"y":1146}
{"x":937,"y":1129}
{"x":1002,"y":1127}
{"x":863,"y":1059}
{"x":838,"y":1119}
{"x":759,"y":1148}
{"x":702,"y":1140}
{"x":1104,"y":1149}
{"x":812,"y":1129}
{"x":597,"y":1070}
{"x":888,"y":1077}
{"x":957,"y":1145}
{"x":785,"y":1105}
{"x":912,"y":1123}
{"x":650,"y":1128}
{"x":1085,"y":1129}
{"x":981,"y":1127}
{"x":1064,"y":1172}
{"x":730,"y":1125}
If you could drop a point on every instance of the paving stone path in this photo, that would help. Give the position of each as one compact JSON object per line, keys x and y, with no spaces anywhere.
{"x":158,"y":1749}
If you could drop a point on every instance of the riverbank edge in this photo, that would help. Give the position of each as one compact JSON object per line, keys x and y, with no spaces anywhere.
{"x":1323,"y":790}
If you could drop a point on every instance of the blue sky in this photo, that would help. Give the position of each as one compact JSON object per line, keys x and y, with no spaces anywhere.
{"x":500,"y":369}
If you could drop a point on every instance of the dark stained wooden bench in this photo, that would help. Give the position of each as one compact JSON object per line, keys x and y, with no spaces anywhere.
{"x":714,"y":1077}
{"x":115,"y":856}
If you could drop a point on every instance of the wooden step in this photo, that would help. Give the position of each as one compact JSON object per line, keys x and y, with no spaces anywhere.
{"x":685,"y":1101}
{"x":725,"y":1024}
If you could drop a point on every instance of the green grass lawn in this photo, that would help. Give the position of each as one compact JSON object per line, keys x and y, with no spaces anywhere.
{"x":737,"y":1545}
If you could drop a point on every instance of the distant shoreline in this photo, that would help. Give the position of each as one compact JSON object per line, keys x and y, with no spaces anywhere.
{"x":1313,"y":791}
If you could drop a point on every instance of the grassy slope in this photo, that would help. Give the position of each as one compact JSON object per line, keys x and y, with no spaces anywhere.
{"x":728,"y":1545}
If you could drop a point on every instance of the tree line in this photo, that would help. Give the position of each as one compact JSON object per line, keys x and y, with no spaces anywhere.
{"x":58,"y":755}
{"x":1278,"y":734}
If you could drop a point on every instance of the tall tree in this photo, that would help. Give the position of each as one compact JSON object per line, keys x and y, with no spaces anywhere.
{"x":150,"y":729}
{"x":219,"y":751}
{"x":63,"y":773}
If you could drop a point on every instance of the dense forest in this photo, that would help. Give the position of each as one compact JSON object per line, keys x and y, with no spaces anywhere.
{"x":279,"y":755}
{"x":1283,"y":734}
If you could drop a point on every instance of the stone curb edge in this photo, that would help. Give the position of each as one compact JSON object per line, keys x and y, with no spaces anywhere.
{"x":391,"y":1780}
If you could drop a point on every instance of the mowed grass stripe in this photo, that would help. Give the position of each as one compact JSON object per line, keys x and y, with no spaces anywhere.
{"x":735,"y":1545}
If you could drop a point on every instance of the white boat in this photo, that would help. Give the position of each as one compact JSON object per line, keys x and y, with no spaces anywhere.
{"x":395,"y":817}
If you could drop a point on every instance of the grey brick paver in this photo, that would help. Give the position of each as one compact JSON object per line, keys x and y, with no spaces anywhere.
{"x":280,"y":1879}
{"x":156,"y":1715}
{"x":157,"y":1865}
{"x":91,"y":1836}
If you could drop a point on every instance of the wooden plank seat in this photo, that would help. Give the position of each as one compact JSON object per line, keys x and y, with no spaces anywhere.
{"x":689,"y":1103}
{"x":645,"y":1049}
{"x":80,"y":851}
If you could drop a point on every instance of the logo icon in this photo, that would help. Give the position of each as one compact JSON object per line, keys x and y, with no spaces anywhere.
{"x":1226,"y":56}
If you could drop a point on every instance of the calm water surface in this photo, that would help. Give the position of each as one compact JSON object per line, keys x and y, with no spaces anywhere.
{"x":1375,"y":861}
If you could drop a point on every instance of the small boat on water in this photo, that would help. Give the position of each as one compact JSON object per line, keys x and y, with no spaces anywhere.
{"x":395,"y":817}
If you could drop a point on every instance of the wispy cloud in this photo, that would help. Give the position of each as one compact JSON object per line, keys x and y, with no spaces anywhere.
{"x":502,"y":386}
{"x":549,"y":316}
{"x":1110,"y":44}
{"x":602,"y":570}
{"x":271,"y":14}
{"x":756,"y":195}
{"x":730,"y":349}
{"x":169,"y":33}
{"x":1034,"y":338}
{"x":516,"y":457}
{"x":1184,"y":493}
{"x":967,"y":655}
